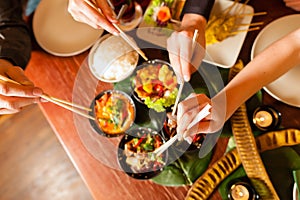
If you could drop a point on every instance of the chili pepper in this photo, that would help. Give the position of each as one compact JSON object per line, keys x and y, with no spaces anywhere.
{"x":140,"y":141}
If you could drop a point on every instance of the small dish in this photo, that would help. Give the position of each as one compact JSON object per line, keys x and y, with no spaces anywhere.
{"x":155,"y":84}
{"x":114,"y":112}
{"x":142,"y":164}
{"x":128,"y":26}
{"x":112,"y":59}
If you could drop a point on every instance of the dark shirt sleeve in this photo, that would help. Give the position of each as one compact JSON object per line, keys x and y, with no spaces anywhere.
{"x":15,"y":41}
{"x":201,"y":7}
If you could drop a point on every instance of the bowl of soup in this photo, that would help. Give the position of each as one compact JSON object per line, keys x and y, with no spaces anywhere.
{"x":114,"y":113}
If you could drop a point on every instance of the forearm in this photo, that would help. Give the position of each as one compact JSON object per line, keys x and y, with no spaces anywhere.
{"x":266,"y":67}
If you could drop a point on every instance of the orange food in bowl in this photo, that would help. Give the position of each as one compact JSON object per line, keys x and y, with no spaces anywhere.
{"x":115,"y":112}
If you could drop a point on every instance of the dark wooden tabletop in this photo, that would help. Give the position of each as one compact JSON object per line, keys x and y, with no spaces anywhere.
{"x":69,"y":78}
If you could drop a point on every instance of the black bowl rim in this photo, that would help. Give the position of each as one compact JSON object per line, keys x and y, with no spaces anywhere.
{"x":96,"y":126}
{"x":121,"y":157}
{"x":134,"y":94}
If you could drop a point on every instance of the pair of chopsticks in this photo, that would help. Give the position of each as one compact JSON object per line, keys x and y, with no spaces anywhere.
{"x":122,"y":33}
{"x":60,"y":102}
{"x":201,"y":115}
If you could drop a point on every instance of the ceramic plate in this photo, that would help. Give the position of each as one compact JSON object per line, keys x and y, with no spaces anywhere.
{"x":286,"y":88}
{"x":58,"y":33}
{"x":222,"y":54}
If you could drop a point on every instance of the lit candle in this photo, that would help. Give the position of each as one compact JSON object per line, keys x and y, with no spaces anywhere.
{"x":263,"y":118}
{"x":239,"y":192}
{"x":266,"y":118}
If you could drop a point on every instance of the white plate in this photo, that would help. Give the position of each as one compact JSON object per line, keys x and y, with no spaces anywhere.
{"x":223,"y":54}
{"x":58,"y":33}
{"x":286,"y":88}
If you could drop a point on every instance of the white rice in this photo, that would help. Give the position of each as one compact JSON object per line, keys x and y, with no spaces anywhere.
{"x":114,"y":58}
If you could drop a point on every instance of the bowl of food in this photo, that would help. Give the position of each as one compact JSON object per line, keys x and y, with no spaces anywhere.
{"x":112,"y":59}
{"x":114,"y":112}
{"x":135,"y":153}
{"x":155,"y":85}
{"x":194,"y":143}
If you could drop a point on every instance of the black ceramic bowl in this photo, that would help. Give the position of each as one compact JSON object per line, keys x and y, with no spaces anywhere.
{"x":114,"y":112}
{"x":137,"y":147}
{"x":183,"y":145}
{"x":153,"y":81}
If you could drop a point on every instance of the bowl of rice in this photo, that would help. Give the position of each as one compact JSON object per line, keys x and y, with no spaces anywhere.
{"x":112,"y":59}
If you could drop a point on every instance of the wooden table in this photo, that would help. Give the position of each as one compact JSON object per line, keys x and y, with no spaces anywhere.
{"x":69,"y":78}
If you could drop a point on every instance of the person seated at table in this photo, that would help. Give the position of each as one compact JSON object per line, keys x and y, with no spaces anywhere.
{"x":15,"y":49}
{"x":266,"y":67}
{"x":195,"y":15}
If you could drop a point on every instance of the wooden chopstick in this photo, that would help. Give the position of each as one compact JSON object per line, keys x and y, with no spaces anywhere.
{"x":201,"y":115}
{"x":181,"y":81}
{"x":65,"y":104}
{"x":122,"y":33}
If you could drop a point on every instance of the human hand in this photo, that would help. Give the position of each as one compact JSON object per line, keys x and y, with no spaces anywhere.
{"x":179,"y":44}
{"x":294,"y":4}
{"x":14,"y":97}
{"x":189,"y":108}
{"x":83,"y":12}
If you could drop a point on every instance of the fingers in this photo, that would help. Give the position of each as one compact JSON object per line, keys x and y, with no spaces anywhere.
{"x":193,"y":101}
{"x":11,"y":89}
{"x":10,"y":105}
{"x":83,"y":12}
{"x":17,"y":74}
{"x":173,"y":47}
{"x":184,"y":59}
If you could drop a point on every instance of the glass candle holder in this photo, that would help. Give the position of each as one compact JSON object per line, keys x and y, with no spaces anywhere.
{"x":241,"y":190}
{"x":266,"y":118}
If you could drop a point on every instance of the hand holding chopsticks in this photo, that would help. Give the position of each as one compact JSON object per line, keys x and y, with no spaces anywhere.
{"x":122,"y":33}
{"x":201,"y":115}
{"x":65,"y":104}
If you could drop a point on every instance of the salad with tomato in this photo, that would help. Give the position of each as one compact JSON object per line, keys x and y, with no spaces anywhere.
{"x":156,"y":85}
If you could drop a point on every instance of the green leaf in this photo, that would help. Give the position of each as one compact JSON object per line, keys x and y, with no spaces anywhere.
{"x":193,"y":166}
{"x":171,"y":176}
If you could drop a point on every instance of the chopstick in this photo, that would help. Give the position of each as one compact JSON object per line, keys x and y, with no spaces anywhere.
{"x":181,"y":81}
{"x":62,"y":103}
{"x":122,"y":33}
{"x":201,"y":115}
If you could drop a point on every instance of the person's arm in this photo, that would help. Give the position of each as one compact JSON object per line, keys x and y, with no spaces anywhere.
{"x":15,"y":50}
{"x":195,"y":15}
{"x":265,"y":68}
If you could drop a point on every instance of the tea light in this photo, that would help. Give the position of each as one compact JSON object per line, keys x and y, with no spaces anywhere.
{"x":266,"y":118}
{"x":241,"y":190}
